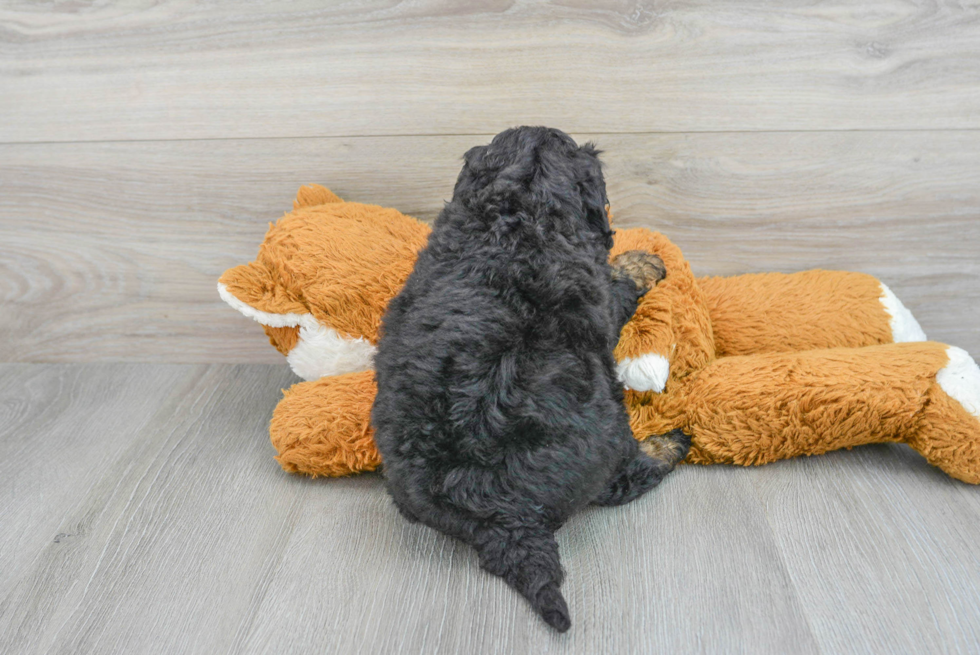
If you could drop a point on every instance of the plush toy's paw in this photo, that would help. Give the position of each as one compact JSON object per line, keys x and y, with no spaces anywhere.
{"x":644,"y":373}
{"x":323,"y":427}
{"x":644,"y":268}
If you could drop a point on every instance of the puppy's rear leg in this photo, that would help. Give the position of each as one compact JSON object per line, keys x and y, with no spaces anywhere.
{"x":404,"y":510}
{"x":655,"y":458}
{"x":525,"y":555}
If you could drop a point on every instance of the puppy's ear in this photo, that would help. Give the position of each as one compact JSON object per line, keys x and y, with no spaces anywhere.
{"x":592,"y":189}
{"x":473,"y":167}
{"x":474,"y":156}
{"x":598,"y":221}
{"x":589,"y":148}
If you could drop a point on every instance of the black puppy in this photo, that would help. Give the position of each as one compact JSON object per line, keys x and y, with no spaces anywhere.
{"x":498,"y":411}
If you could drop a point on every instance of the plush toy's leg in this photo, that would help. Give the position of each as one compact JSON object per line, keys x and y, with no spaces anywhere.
{"x":322,"y":427}
{"x":634,"y":273}
{"x":758,"y":409}
{"x":775,"y":312}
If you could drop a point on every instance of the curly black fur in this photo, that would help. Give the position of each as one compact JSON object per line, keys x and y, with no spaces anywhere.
{"x":498,"y":411}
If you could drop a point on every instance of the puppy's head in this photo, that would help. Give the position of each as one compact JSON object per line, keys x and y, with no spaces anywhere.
{"x":537,"y":174}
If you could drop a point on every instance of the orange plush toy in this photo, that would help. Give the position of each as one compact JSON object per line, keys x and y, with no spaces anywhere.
{"x":755,"y":368}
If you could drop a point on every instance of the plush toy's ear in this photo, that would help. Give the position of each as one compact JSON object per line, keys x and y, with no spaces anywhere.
{"x":314,"y":194}
{"x":254,"y":290}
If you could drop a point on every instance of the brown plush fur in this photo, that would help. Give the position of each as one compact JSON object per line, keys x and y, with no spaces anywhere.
{"x":298,"y":262}
{"x":805,"y":403}
{"x":762,"y":313}
{"x":321,"y":427}
{"x":762,"y":367}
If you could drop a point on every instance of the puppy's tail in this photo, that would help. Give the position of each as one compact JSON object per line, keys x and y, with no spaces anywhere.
{"x":525,"y":555}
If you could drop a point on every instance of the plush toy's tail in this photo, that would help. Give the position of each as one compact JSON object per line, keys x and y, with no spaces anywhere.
{"x":526,"y":557}
{"x":777,"y":312}
{"x":948,"y":430}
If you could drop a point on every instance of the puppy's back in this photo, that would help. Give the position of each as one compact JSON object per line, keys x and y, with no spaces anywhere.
{"x":498,"y":413}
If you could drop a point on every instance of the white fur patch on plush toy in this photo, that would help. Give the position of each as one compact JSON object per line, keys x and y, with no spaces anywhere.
{"x":320,"y":350}
{"x":904,"y":326}
{"x":960,"y":379}
{"x":644,"y":373}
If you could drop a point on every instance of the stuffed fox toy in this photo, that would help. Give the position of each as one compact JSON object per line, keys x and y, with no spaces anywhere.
{"x":755,"y":368}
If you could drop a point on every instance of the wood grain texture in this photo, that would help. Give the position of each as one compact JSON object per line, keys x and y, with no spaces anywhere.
{"x":178,"y":70}
{"x":667,"y":572}
{"x":873,"y":529}
{"x":159,"y":552}
{"x":145,"y":146}
{"x":47,"y":432}
{"x":111,"y":251}
{"x":179,"y":533}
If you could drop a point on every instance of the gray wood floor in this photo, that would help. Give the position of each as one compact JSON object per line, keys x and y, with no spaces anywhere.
{"x":142,"y":512}
{"x":145,"y":146}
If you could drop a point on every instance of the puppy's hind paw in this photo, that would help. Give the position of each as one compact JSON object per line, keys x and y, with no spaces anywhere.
{"x":668,"y":449}
{"x":644,"y":268}
{"x":656,"y":458}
